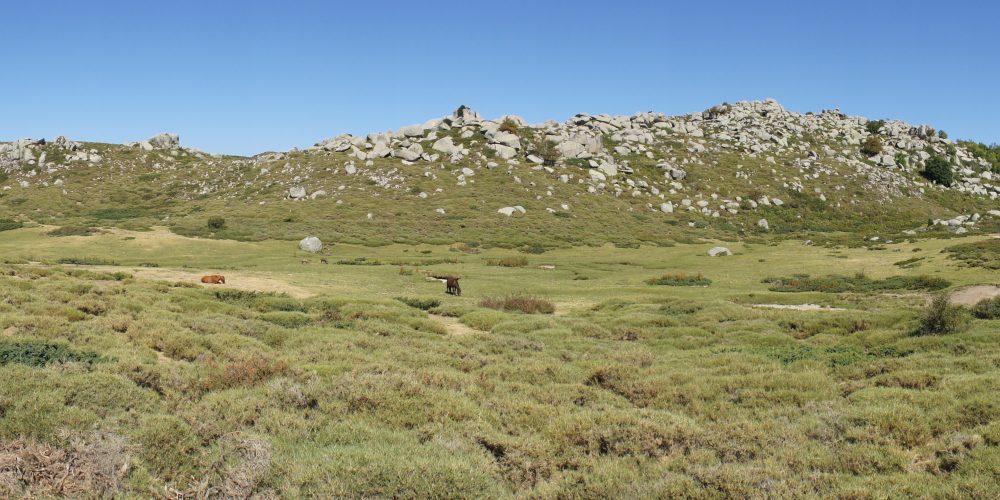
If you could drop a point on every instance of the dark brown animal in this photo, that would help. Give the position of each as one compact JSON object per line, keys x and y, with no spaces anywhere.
{"x":451,"y":286}
{"x":323,"y":261}
{"x":214,"y":279}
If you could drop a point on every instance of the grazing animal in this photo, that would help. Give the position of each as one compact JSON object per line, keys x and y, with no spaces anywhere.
{"x":451,"y":286}
{"x":214,"y":279}
{"x":323,"y":261}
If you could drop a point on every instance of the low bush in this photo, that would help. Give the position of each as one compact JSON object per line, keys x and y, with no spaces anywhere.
{"x":511,"y":261}
{"x":519,"y":303}
{"x":423,"y":304}
{"x":87,"y":261}
{"x":987,"y":308}
{"x":216,"y":223}
{"x":942,"y":318}
{"x":509,"y":125}
{"x":680,"y":279}
{"x":938,"y":170}
{"x":8,"y":224}
{"x":872,"y":146}
{"x":72,"y":231}
{"x":36,"y":353}
{"x":874,"y":126}
{"x":985,"y":254}
{"x":857,"y":283}
{"x":287,"y":319}
{"x":989,"y":153}
{"x":358,"y":261}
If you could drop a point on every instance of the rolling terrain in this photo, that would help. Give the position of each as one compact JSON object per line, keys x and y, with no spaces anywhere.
{"x":844,"y":344}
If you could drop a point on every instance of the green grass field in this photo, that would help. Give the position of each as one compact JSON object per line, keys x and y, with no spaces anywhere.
{"x":122,"y":376}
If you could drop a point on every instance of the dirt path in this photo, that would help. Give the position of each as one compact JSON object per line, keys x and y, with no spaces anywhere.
{"x":970,"y":296}
{"x":454,"y":326}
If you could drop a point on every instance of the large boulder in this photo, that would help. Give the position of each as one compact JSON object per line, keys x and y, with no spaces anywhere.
{"x":719,"y":252}
{"x":296,"y":192}
{"x":164,"y":141}
{"x":311,"y":244}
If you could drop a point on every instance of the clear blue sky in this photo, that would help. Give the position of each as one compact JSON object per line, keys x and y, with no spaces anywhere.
{"x":249,"y":76}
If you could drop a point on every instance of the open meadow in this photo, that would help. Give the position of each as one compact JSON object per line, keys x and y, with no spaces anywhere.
{"x":784,"y":370}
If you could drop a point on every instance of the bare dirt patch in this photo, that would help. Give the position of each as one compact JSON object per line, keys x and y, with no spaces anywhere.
{"x":971,"y":295}
{"x":454,"y":326}
{"x":238,"y":280}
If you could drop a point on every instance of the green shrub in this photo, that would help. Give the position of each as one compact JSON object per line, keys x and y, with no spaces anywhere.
{"x":512,"y":261}
{"x":942,"y":318}
{"x":989,"y":153}
{"x":874,"y":126}
{"x":938,"y":170}
{"x":519,"y":303}
{"x":420,"y":303}
{"x":872,"y":146}
{"x":359,"y":261}
{"x":7,"y":224}
{"x":287,"y":319}
{"x":87,"y":261}
{"x":942,"y":134}
{"x":544,"y":149}
{"x":72,"y":231}
{"x":509,"y":125}
{"x":857,"y":283}
{"x":36,"y":353}
{"x":987,"y":309}
{"x":985,"y":254}
{"x":680,"y":279}
{"x":216,"y":223}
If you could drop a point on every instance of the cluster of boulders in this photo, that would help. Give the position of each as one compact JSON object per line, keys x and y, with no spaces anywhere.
{"x":962,"y":223}
{"x":162,"y":141}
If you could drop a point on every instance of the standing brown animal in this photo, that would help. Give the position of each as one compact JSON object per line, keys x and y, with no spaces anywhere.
{"x":214,"y":279}
{"x":451,"y":286}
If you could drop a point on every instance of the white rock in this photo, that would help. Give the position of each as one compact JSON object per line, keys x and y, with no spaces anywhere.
{"x":310,"y":244}
{"x":719,"y":251}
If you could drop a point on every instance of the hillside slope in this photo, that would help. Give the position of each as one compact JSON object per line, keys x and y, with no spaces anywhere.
{"x":744,"y":170}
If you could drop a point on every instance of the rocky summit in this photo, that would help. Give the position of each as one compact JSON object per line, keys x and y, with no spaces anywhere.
{"x":733,"y":170}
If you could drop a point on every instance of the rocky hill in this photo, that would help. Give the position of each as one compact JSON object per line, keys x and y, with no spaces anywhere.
{"x":743,"y":170}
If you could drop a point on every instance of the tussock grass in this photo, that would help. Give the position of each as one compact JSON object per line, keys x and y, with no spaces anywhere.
{"x":519,"y":303}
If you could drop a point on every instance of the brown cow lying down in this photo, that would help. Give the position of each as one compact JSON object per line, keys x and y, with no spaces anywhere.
{"x":214,"y":279}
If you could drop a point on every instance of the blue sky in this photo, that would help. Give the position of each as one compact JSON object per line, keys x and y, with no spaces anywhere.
{"x":249,"y":76}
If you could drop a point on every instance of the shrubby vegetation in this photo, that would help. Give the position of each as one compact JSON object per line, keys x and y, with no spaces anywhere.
{"x":874,"y":126}
{"x":942,"y":318}
{"x":989,"y":153}
{"x":72,"y":231}
{"x":987,"y":309}
{"x":872,"y":146}
{"x":985,"y":254}
{"x":216,"y":223}
{"x":857,"y":283}
{"x":519,"y":303}
{"x":509,"y":261}
{"x":8,"y":224}
{"x":938,"y":170}
{"x":680,"y":279}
